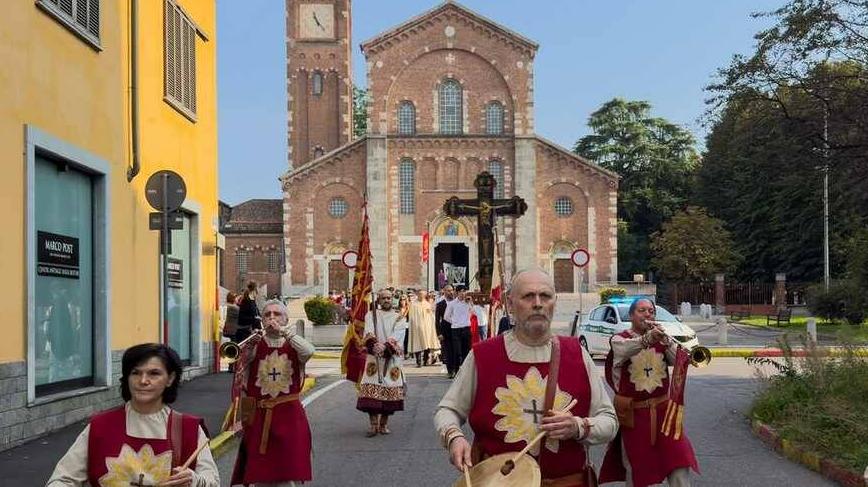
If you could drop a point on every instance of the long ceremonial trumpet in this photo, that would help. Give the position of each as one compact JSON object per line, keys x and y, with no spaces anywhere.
{"x":231,"y":351}
{"x":699,"y":356}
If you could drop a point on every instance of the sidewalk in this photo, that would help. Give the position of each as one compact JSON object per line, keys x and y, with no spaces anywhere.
{"x":32,"y":463}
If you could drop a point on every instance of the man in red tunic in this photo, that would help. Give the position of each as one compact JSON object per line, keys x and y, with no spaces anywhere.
{"x":502,"y":390}
{"x":638,"y":372}
{"x":275,"y":449}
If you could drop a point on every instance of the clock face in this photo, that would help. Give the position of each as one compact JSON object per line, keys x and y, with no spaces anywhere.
{"x":316,"y":21}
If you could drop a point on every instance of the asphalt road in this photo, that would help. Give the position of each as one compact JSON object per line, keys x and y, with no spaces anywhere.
{"x":718,"y":399}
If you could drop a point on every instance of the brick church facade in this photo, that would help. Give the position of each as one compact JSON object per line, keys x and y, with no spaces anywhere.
{"x":450,"y":95}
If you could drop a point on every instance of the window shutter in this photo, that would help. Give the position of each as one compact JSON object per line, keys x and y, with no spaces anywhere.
{"x":179,"y":58}
{"x":93,"y":17}
{"x":65,"y":6}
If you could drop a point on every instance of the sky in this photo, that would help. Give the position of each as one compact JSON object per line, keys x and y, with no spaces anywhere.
{"x":661,"y":51}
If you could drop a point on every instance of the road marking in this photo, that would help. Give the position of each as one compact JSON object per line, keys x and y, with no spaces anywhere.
{"x":311,"y":398}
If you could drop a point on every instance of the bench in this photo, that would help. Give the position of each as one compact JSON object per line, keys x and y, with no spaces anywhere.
{"x":782,"y":316}
{"x":739,"y":315}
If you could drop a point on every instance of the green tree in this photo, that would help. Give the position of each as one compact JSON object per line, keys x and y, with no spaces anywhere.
{"x":360,"y":112}
{"x":655,"y":159}
{"x":692,"y":246}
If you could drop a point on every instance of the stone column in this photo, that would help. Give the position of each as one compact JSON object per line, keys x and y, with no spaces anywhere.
{"x":781,"y":291}
{"x":720,"y":293}
{"x":526,"y":228}
{"x":378,"y":207}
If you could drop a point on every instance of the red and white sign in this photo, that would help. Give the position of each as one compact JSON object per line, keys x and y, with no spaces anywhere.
{"x":580,"y":257}
{"x":425,"y":247}
{"x":350,"y":258}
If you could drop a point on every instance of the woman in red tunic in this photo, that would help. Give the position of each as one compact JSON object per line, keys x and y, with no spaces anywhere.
{"x":143,"y":442}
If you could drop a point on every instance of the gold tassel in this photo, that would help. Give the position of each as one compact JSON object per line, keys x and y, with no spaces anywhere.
{"x":666,"y":427}
{"x":679,"y":422}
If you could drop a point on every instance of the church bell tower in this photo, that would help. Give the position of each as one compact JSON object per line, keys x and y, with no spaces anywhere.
{"x":319,"y":78}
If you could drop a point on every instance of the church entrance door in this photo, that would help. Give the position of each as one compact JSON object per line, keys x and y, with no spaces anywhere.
{"x":456,"y":258}
{"x":563,"y":274}
{"x":339,"y":276}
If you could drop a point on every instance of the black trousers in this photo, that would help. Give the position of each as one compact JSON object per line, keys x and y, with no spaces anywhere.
{"x":460,"y":345}
{"x":446,"y":350}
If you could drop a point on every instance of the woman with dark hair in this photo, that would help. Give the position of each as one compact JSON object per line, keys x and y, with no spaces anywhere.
{"x":249,"y":318}
{"x":143,"y":442}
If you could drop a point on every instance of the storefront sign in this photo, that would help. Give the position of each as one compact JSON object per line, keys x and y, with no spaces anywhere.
{"x":175,"y":272}
{"x":57,"y":255}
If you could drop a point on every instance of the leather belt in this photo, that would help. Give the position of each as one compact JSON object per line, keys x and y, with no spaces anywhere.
{"x":268,"y":405}
{"x":651,"y":404}
{"x":572,"y":480}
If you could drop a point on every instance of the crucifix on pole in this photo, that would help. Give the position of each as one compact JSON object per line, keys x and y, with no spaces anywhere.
{"x":486,"y":208}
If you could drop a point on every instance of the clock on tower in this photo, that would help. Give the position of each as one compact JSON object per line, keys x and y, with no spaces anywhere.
{"x":316,"y":21}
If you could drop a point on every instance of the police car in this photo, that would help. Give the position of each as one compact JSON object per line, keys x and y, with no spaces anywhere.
{"x":613,"y":317}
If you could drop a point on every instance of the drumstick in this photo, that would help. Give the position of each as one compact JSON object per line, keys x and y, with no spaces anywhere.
{"x":510,"y":464}
{"x":194,"y":455}
{"x":467,"y":476}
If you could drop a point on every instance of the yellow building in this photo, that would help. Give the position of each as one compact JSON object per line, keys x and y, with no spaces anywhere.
{"x":95,"y":96}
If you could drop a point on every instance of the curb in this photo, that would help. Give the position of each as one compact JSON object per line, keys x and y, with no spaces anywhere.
{"x":824,"y":466}
{"x":326,"y":355}
{"x":776,"y":352}
{"x":221,"y":443}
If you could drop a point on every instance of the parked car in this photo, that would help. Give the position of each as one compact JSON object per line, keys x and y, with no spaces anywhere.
{"x":605,"y":320}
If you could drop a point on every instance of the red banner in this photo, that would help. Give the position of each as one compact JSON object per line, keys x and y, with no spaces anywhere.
{"x":425,"y":247}
{"x":673,"y":420}
{"x":352,"y":355}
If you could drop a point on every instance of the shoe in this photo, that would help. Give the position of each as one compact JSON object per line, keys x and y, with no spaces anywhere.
{"x":384,"y":430}
{"x":372,"y":431}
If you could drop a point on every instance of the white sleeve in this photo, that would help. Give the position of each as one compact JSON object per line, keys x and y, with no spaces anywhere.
{"x":303,"y":348}
{"x":601,"y":413}
{"x":454,"y":408}
{"x":624,"y":348}
{"x":447,"y":315}
{"x":206,"y":473}
{"x":72,"y":468}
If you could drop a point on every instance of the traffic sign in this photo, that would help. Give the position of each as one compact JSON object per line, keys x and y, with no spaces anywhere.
{"x":155,"y":220}
{"x":350,"y":259}
{"x":175,"y":191}
{"x":580,"y":257}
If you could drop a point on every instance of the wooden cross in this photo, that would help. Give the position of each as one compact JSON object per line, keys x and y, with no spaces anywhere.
{"x":140,"y":482}
{"x":486,"y":209}
{"x":533,"y":410}
{"x":274,"y":373}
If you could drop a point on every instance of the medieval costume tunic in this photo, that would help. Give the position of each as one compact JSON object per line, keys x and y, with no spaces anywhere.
{"x":423,"y":335}
{"x":503,"y":401}
{"x":381,"y":389}
{"x":121,"y":447}
{"x":641,"y":455}
{"x":276,"y":446}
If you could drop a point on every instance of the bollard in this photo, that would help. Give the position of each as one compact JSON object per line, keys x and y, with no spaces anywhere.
{"x":299,"y":328}
{"x":722,"y":329}
{"x":812,"y":330}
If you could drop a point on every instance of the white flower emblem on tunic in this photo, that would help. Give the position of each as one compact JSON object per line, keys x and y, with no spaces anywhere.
{"x":274,"y":375}
{"x":521,"y":405}
{"x":134,"y":468}
{"x":647,"y":370}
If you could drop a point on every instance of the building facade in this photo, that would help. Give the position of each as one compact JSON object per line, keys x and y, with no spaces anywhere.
{"x":450,"y":95}
{"x":254,"y":245}
{"x":98,"y":95}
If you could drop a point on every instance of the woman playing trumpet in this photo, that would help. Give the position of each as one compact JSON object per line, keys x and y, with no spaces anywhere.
{"x":637,"y":369}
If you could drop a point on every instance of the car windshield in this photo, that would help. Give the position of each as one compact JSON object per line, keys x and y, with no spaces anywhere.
{"x":662,"y":314}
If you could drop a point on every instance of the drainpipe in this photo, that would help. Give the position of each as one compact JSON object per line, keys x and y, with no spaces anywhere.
{"x":135,"y":167}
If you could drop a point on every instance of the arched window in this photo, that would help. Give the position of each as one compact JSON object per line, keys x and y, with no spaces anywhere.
{"x":407,"y":175}
{"x":563,"y":207}
{"x":450,"y":107}
{"x":494,"y":118}
{"x":406,"y":118}
{"x":317,"y":83}
{"x":242,"y":261}
{"x":338,"y":207}
{"x":495,"y":167}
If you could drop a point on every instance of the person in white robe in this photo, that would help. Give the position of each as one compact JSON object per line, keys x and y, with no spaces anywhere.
{"x":423,"y":336}
{"x":381,"y":389}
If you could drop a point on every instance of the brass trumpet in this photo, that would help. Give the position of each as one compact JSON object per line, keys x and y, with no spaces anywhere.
{"x":699,"y":356}
{"x":231,"y":351}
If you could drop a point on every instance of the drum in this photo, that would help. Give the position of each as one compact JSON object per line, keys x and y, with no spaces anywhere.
{"x":487,"y":473}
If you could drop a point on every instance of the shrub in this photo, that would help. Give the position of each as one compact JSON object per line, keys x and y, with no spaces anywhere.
{"x":608,"y":293}
{"x":843,"y":301}
{"x":319,"y":310}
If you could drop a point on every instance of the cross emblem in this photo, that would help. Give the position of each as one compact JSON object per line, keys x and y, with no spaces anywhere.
{"x":274,"y":373}
{"x":486,"y":209}
{"x":648,"y":371}
{"x":140,"y":482}
{"x":534,"y":411}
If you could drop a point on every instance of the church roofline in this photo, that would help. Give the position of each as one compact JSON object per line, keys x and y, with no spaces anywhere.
{"x":385,"y":35}
{"x":577,"y":157}
{"x":296,"y":172}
